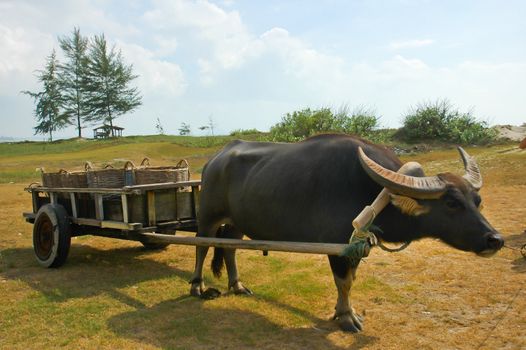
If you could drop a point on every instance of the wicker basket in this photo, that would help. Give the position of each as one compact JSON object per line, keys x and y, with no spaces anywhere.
{"x":146,"y":174}
{"x":64,"y":178}
{"x":110,"y":177}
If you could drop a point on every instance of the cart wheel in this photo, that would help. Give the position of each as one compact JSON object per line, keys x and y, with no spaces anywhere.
{"x":154,"y":246}
{"x":51,"y":235}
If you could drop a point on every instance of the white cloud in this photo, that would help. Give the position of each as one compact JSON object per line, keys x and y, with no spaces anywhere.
{"x":156,"y":76}
{"x":494,"y":89}
{"x":396,"y":45}
{"x":23,"y":52}
{"x":233,"y":45}
{"x":301,"y":61}
{"x":165,"y":45}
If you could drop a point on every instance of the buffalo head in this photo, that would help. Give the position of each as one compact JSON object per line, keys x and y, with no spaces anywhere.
{"x":447,"y":205}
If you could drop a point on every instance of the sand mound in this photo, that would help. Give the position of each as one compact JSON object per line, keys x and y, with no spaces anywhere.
{"x":515,"y":133}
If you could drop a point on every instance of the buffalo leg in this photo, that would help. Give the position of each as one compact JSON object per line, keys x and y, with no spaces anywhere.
{"x":198,"y":285}
{"x":233,"y":276}
{"x":344,"y":274}
{"x":231,"y":264}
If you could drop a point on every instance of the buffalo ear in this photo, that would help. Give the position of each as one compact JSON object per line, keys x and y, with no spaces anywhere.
{"x":408,"y":206}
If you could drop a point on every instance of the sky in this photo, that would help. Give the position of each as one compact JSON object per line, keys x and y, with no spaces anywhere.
{"x":245,"y":64}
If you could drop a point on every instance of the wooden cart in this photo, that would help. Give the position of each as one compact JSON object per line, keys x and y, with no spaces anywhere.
{"x":125,"y":213}
{"x":150,"y":214}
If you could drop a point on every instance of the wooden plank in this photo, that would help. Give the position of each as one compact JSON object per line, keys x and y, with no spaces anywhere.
{"x":293,"y":247}
{"x":99,"y":207}
{"x":162,"y":186}
{"x":80,"y":190}
{"x":85,"y":221}
{"x":34,"y":197}
{"x":152,"y":218}
{"x":107,"y":224}
{"x":73,"y":204}
{"x":176,"y":205}
{"x":30,"y":216}
{"x":120,"y":225}
{"x":369,"y":212}
{"x":137,"y":189}
{"x":195,"y":192}
{"x":124,"y":200}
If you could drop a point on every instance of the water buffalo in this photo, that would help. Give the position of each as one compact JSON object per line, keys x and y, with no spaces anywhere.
{"x":311,"y":191}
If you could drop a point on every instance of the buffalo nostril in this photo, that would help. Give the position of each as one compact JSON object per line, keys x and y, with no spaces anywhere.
{"x":495,"y":241}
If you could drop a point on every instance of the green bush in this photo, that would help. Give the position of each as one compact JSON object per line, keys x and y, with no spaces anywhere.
{"x":299,"y":125}
{"x":441,"y":121}
{"x":241,"y":132}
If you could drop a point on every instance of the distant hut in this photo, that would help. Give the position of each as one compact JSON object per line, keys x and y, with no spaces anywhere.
{"x":105,"y":131}
{"x":522,"y":145}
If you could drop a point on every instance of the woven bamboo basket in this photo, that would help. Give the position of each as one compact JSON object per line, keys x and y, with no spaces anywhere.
{"x":64,"y":178}
{"x":147,"y":174}
{"x":110,"y":177}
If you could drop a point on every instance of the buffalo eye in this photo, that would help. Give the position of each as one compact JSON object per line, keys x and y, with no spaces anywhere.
{"x":453,"y":203}
{"x":477,"y":201}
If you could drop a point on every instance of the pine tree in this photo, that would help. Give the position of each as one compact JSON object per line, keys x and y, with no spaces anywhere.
{"x":48,"y":101}
{"x":110,"y":95}
{"x":73,"y":77}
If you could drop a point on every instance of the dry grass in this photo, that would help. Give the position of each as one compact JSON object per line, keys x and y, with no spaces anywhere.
{"x":112,"y":294}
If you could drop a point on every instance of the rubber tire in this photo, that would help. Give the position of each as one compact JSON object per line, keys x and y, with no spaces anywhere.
{"x":52,"y":222}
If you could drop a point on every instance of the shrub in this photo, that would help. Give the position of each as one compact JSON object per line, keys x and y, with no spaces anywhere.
{"x":441,"y":121}
{"x":241,"y":132}
{"x":299,"y":125}
{"x":362,"y":122}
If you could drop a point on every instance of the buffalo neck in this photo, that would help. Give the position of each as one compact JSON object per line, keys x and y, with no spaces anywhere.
{"x":395,"y":226}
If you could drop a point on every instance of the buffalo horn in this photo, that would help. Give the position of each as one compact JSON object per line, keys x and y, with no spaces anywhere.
{"x":411,"y":186}
{"x":472,"y":169}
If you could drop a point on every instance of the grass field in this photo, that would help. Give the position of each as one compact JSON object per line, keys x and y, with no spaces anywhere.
{"x":113,"y":294}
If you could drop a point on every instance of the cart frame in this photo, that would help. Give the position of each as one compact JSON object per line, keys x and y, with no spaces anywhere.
{"x":63,"y":220}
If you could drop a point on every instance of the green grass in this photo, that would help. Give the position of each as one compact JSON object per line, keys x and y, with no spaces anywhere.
{"x":76,"y":145}
{"x":18,"y":161}
{"x":380,"y":290}
{"x":114,"y":295}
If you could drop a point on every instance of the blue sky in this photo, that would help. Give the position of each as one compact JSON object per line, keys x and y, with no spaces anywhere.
{"x":247,"y":63}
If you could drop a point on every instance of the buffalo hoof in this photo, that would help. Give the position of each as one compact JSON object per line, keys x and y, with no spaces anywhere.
{"x":239,"y":289}
{"x":196,"y":290}
{"x":349,"y":322}
{"x":210,"y":293}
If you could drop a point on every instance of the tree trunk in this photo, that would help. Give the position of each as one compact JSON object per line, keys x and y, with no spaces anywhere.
{"x":111,"y":125}
{"x":78,"y":115}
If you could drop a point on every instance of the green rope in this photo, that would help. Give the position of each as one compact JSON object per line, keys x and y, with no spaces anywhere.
{"x":356,"y":250}
{"x":361,"y":242}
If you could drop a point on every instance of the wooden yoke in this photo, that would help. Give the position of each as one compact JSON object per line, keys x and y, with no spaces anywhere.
{"x":368,"y":213}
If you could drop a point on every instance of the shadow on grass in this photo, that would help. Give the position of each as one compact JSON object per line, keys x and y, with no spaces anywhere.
{"x":190,"y":323}
{"x":184,"y":322}
{"x":88,"y":272}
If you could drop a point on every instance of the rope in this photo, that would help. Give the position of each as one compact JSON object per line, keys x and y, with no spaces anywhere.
{"x":504,"y":313}
{"x":502,"y":316}
{"x":522,"y":249}
{"x":393,"y":250}
{"x":361,"y":242}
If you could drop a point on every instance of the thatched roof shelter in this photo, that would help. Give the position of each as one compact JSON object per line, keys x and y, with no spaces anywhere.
{"x":105,"y":131}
